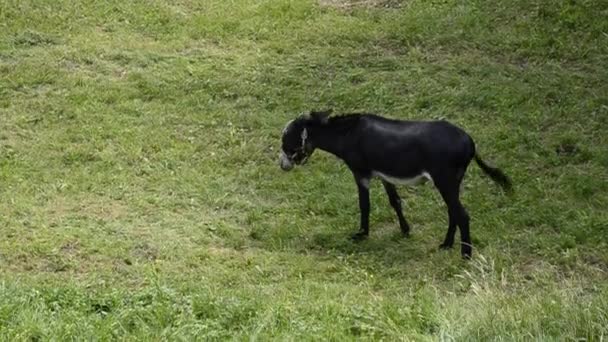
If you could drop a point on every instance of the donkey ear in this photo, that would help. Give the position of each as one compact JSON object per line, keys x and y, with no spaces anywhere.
{"x":321,"y":116}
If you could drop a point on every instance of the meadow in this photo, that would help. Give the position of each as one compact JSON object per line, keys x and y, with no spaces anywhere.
{"x":141,"y":198}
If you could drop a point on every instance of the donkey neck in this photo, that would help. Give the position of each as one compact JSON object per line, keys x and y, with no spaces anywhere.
{"x":335,"y":136}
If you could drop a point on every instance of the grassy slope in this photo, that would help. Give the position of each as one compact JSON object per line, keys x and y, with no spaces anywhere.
{"x":141,"y":198}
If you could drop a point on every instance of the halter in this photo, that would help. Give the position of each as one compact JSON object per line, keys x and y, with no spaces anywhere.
{"x":304,"y":136}
{"x":302,"y":148}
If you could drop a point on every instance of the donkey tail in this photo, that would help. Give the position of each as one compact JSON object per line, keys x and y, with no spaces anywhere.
{"x":495,"y":173}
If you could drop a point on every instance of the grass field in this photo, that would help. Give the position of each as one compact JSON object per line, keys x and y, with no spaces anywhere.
{"x":141,"y":198}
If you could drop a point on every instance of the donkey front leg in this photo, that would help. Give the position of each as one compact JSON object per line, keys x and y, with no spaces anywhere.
{"x":362,"y":186}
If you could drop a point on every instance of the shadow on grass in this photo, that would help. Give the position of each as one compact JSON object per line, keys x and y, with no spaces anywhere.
{"x":385,"y":246}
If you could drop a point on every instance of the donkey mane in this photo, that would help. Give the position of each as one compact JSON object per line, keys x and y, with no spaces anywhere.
{"x":345,"y":122}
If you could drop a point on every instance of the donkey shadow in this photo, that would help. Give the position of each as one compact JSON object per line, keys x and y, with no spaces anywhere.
{"x":386,"y":245}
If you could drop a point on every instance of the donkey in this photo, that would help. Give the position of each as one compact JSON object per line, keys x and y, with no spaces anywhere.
{"x":397,"y":152}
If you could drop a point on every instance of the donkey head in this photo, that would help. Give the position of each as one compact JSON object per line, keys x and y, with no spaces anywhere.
{"x":296,"y":147}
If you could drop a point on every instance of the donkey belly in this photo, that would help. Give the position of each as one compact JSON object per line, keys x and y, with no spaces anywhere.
{"x":415,"y":180}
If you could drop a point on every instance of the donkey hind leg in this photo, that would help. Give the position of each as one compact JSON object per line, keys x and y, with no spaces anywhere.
{"x":362,"y":187}
{"x":395,"y":201}
{"x":448,"y":242}
{"x":449,"y":188}
{"x":446,"y":187}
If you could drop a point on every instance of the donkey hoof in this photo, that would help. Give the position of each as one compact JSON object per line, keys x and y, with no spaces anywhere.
{"x":466,"y":252}
{"x":359,"y":236}
{"x":445,"y":246}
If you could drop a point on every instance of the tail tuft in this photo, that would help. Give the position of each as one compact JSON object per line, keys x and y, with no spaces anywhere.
{"x":495,"y":173}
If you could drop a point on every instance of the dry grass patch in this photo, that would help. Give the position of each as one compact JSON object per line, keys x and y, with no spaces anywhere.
{"x":97,"y":208}
{"x":350,"y":4}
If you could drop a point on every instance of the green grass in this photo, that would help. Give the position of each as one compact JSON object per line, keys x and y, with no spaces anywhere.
{"x":141,"y":198}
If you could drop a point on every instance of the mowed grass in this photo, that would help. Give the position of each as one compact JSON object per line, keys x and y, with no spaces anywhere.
{"x":141,"y":199}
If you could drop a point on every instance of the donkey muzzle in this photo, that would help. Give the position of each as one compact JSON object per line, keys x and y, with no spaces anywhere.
{"x":285,"y":163}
